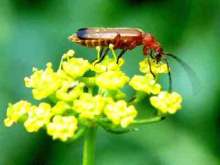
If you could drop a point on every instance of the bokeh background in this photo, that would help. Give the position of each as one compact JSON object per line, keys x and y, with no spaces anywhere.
{"x":33,"y":32}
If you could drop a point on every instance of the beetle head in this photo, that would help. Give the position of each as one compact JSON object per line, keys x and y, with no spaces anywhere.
{"x":151,"y":44}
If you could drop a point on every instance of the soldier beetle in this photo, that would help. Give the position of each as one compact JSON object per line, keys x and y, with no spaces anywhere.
{"x":125,"y":39}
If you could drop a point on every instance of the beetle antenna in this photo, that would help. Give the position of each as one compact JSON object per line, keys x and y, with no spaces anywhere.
{"x":191,"y":74}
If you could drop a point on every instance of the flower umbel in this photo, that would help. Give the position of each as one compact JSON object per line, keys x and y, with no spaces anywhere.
{"x":80,"y":95}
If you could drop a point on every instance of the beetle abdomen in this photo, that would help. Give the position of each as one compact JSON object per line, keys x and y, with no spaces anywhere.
{"x":91,"y":42}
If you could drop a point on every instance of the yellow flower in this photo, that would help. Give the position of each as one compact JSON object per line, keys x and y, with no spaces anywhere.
{"x":38,"y":117}
{"x":16,"y":111}
{"x":70,"y":90}
{"x":145,"y":83}
{"x":120,"y":114}
{"x":108,"y":64}
{"x":69,"y":54}
{"x":44,"y":82}
{"x":75,"y":67}
{"x":62,"y":127}
{"x":89,"y":106}
{"x":60,"y":108}
{"x":112,"y":80}
{"x":167,"y":102}
{"x":156,"y":67}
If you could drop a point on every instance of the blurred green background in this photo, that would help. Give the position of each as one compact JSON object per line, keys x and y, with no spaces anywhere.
{"x":33,"y":32}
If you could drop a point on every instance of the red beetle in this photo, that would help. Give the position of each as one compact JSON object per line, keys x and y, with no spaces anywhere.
{"x":121,"y":38}
{"x":125,"y":39}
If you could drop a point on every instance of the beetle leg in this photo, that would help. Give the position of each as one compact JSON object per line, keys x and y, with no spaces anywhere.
{"x":148,"y":60}
{"x":99,"y":55}
{"x":151,"y":53}
{"x":131,"y":46}
{"x":101,"y":51}
{"x":102,"y":56}
{"x":121,"y":54}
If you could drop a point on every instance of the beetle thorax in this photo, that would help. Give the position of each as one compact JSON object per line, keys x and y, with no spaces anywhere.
{"x":150,"y":41}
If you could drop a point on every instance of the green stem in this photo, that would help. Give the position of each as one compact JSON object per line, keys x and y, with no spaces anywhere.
{"x":150,"y":120}
{"x":89,"y":147}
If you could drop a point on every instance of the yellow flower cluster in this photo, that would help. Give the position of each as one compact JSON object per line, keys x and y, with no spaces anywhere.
{"x":47,"y":82}
{"x":145,"y":83}
{"x":156,"y":67}
{"x":167,"y":102}
{"x":120,"y":114}
{"x":89,"y":106}
{"x":38,"y":117}
{"x":44,"y":83}
{"x":80,"y":94}
{"x":16,"y":112}
{"x":75,"y":67}
{"x":62,"y":127}
{"x":112,"y":80}
{"x":70,"y":90}
{"x":108,"y":64}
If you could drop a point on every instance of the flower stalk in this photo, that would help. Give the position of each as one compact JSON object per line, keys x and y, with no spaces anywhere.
{"x":150,"y":120}
{"x":89,"y":146}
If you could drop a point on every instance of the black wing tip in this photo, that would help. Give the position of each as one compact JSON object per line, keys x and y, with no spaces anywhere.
{"x":81,"y":32}
{"x":81,"y":29}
